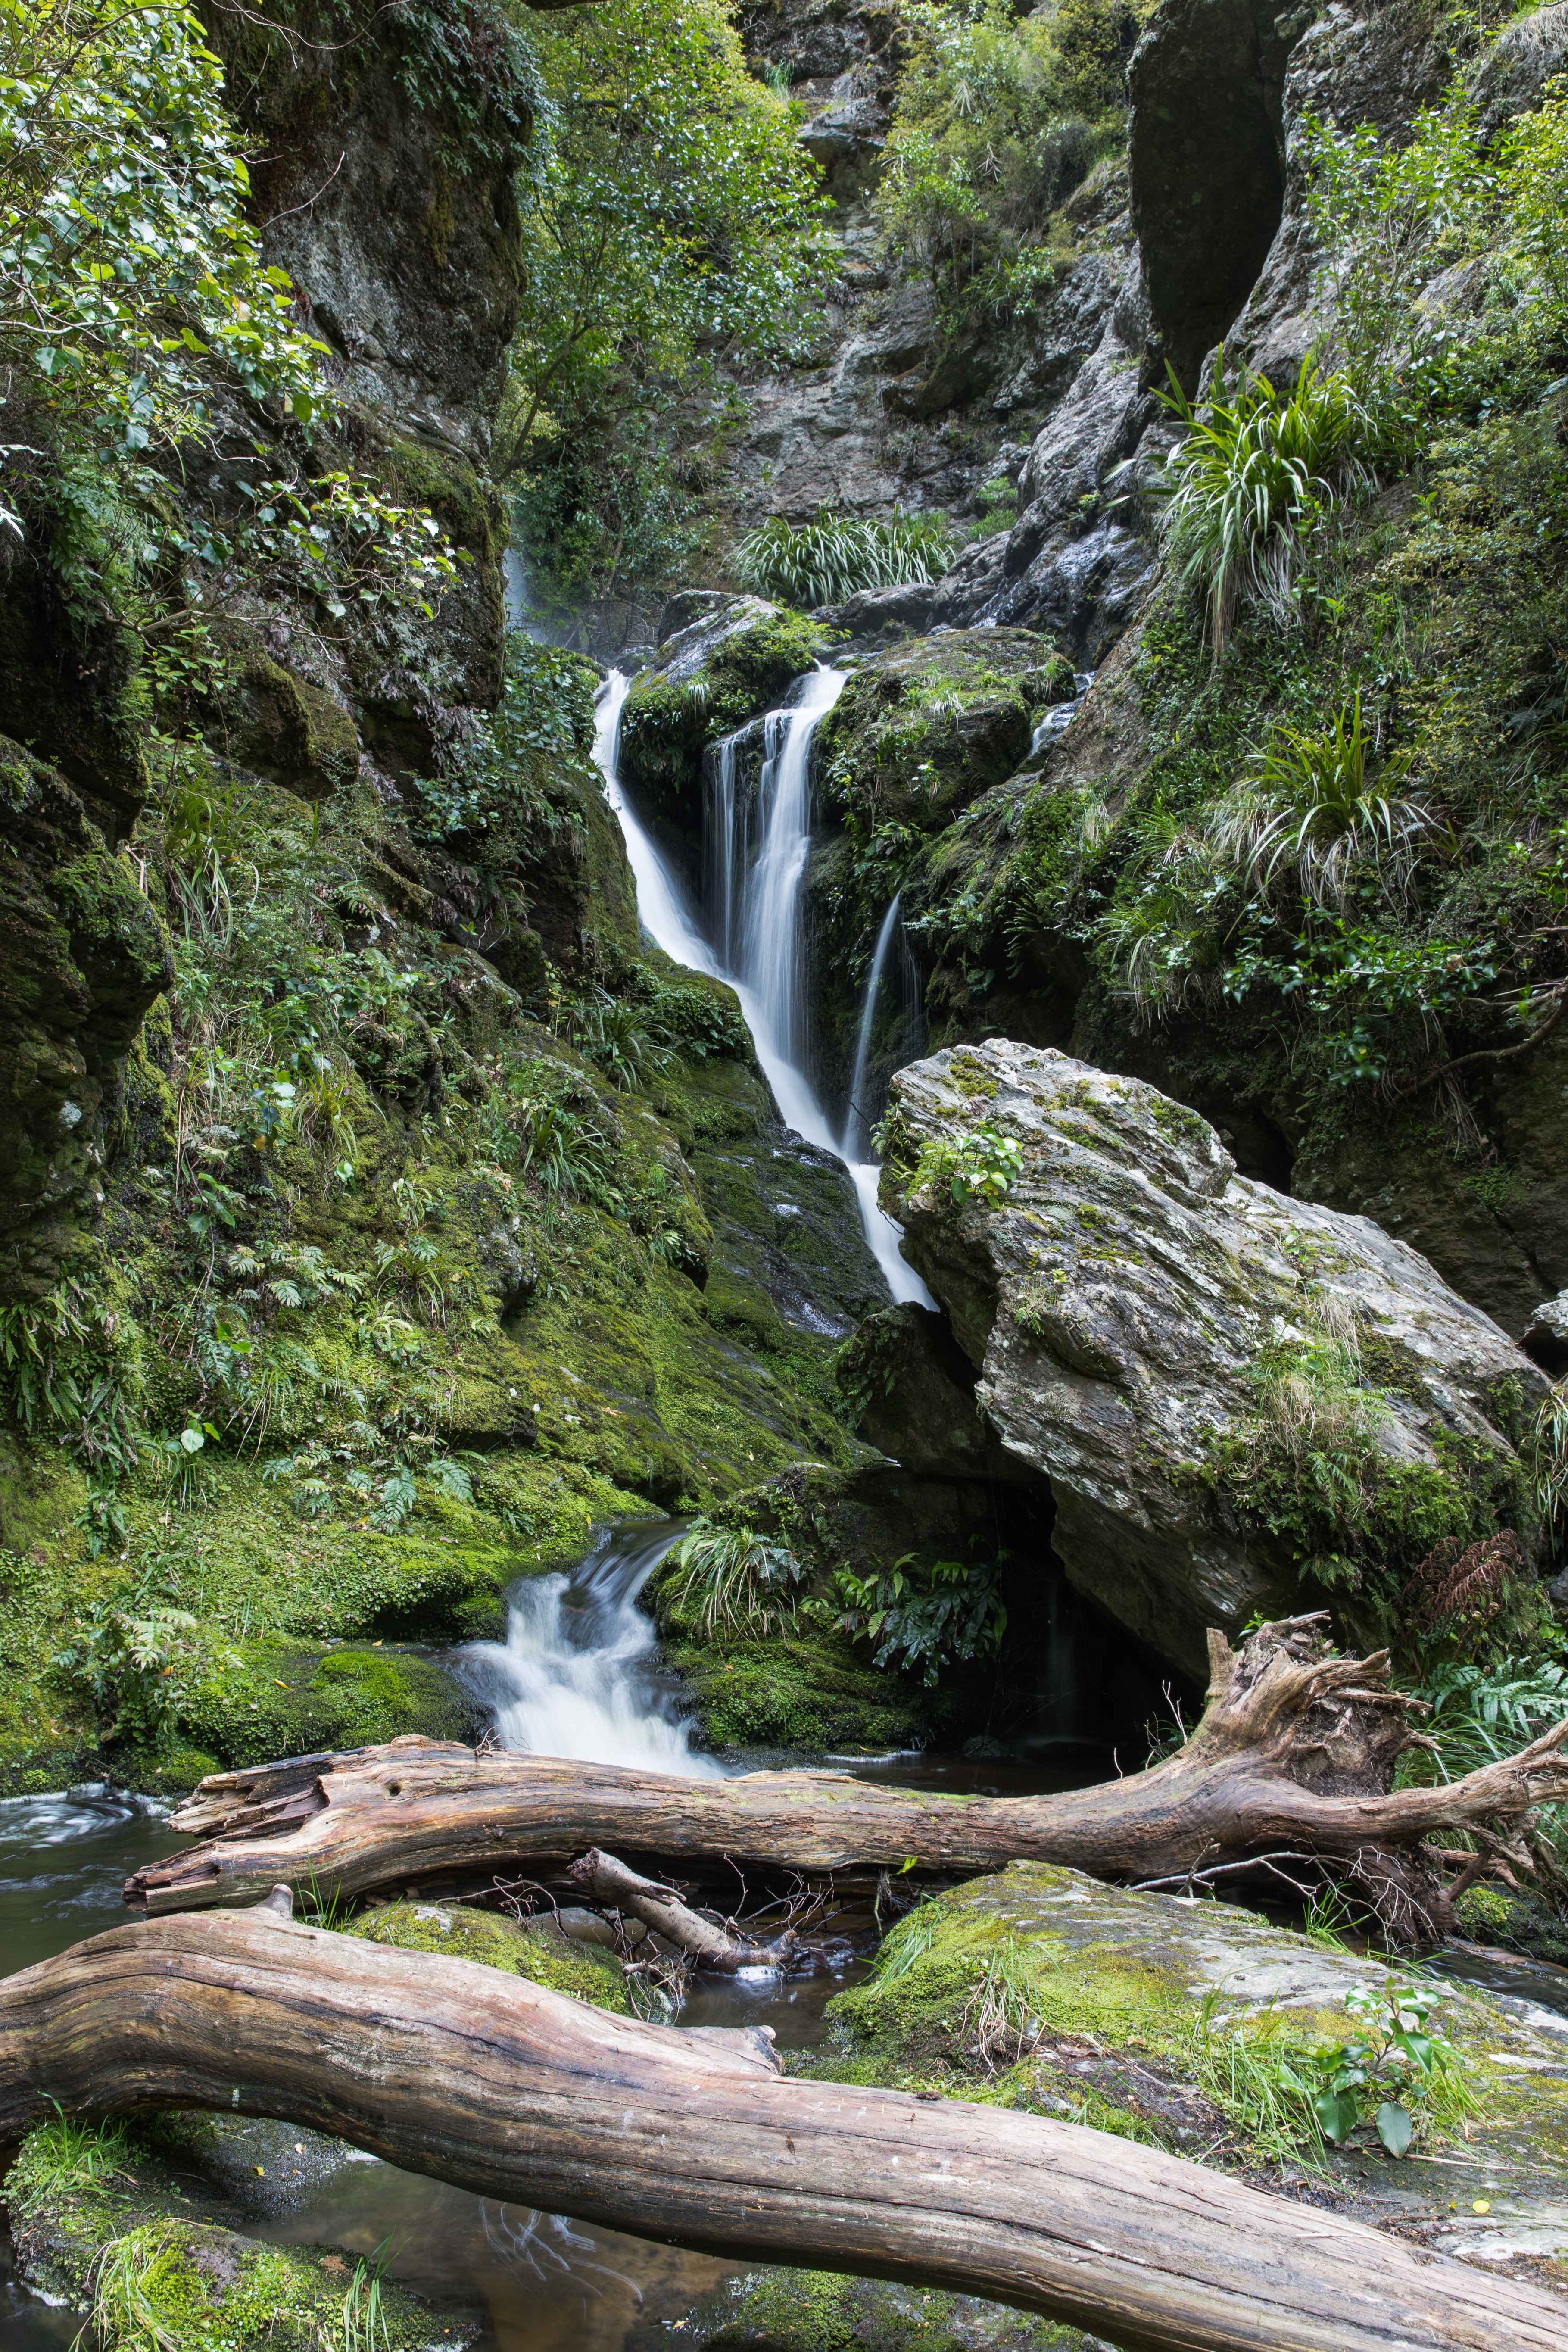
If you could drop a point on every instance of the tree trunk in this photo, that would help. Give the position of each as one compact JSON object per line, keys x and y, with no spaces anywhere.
{"x":485,"y":2079}
{"x":1294,"y":1756}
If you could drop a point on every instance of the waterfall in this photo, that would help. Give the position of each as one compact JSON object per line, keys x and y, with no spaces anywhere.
{"x":574,"y":1675}
{"x":757,"y":912}
{"x":856,"y":1125}
{"x":1060,"y":716}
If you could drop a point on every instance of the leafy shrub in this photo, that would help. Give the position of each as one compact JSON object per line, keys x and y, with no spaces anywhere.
{"x":834,"y":558}
{"x":132,"y":1658}
{"x":1399,"y":2070}
{"x":127,"y":261}
{"x":1239,"y":495}
{"x":998,"y":118}
{"x":926,"y":1617}
{"x":699,"y":1025}
{"x":730,"y":1582}
{"x":498,"y":779}
{"x":979,"y":1163}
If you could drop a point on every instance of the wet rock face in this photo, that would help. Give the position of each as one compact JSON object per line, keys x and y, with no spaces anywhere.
{"x":395,"y":218}
{"x":1074,"y":565}
{"x":1149,"y":1328}
{"x":82,"y":957}
{"x":722,"y":661}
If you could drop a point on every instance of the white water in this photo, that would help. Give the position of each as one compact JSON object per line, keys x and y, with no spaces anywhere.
{"x":759,"y":913}
{"x":856,"y":1125}
{"x":574,"y":1675}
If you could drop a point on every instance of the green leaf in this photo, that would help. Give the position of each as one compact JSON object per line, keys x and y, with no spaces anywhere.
{"x":1338,"y":2113}
{"x":1395,"y":2129}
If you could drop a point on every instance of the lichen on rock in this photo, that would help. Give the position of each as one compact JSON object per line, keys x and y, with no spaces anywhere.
{"x":1168,"y":1342}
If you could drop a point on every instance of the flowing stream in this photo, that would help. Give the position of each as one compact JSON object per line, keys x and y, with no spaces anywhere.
{"x":758,"y":917}
{"x":576,"y":1674}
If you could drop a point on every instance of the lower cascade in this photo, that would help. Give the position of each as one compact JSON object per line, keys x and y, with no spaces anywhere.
{"x":757,"y":916}
{"x":574,"y":1677}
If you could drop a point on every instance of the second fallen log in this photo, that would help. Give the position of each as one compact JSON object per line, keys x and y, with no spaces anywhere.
{"x":469,"y":2076}
{"x":1296,"y":1753}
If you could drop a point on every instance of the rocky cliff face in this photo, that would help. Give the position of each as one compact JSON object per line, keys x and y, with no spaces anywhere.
{"x":1451,"y":604}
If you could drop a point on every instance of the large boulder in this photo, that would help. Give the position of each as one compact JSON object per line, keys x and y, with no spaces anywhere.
{"x":1241,"y":1401}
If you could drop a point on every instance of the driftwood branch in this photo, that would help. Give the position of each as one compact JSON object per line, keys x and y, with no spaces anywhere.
{"x":603,"y":1879}
{"x":1295,"y":1752}
{"x":486,"y":2080}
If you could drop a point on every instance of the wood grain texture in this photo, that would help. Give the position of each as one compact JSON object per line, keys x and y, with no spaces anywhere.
{"x":452,"y":2070}
{"x":1295,"y":1752}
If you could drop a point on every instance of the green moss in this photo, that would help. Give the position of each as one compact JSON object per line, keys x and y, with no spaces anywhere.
{"x":537,"y":1951}
{"x":106,"y":2214}
{"x":668,"y":721}
{"x":816,"y":2311}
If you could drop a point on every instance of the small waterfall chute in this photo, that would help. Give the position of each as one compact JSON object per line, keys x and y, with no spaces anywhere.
{"x":575,"y":1674}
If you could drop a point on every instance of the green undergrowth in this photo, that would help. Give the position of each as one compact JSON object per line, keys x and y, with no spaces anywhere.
{"x":408,"y":1273}
{"x":117,"y":2221}
{"x":982,"y":1995}
{"x":537,"y":1951}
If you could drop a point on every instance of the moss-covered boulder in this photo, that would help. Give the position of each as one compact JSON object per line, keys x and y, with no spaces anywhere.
{"x":820,"y":2311}
{"x":267,"y":718}
{"x":1175,"y":1347}
{"x":142,"y":2226}
{"x":1198,"y":2026}
{"x":920,"y":731}
{"x":727,"y":666}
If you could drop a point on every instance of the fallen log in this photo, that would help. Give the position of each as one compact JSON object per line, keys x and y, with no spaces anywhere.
{"x":1295,"y":1755}
{"x":485,"y":2079}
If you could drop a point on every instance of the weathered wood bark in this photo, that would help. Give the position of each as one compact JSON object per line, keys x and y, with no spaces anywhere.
{"x":605,"y":1879}
{"x":1294,"y":1753}
{"x":488,"y":2081}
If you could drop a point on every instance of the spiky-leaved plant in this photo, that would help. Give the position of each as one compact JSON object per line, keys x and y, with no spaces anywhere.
{"x":1239,"y":493}
{"x":826,"y":561}
{"x":1307,"y":815}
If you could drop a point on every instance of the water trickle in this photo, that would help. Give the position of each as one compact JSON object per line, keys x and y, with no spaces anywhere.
{"x":1060,"y":716}
{"x":756,"y":905}
{"x":576,"y":1674}
{"x":857,"y":1122}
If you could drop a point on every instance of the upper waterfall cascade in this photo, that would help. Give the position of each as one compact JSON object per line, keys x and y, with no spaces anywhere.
{"x":757,"y":921}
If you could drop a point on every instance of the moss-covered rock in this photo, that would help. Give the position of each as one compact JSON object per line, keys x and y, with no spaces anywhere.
{"x":134,"y":2224}
{"x":82,"y":957}
{"x":283,"y":727}
{"x":1182,"y":2022}
{"x":534,"y":1948}
{"x":726,"y":666}
{"x":1154,"y":1333}
{"x":819,"y":2311}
